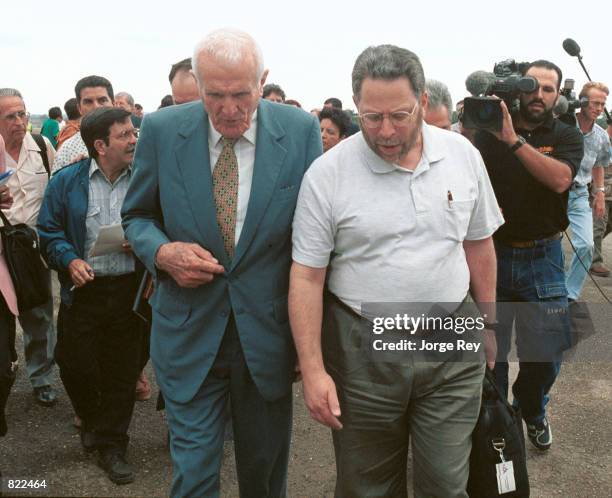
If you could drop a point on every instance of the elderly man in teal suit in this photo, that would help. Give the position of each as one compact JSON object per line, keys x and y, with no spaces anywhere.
{"x":209,"y":212}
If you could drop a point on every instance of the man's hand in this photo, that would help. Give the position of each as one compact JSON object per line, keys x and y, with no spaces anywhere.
{"x":599,"y":204}
{"x":80,"y":272}
{"x":507,"y":133}
{"x":321,"y":399}
{"x":6,"y":199}
{"x":188,"y":264}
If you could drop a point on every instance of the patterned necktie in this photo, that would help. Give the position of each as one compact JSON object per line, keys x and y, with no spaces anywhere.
{"x":225,"y":190}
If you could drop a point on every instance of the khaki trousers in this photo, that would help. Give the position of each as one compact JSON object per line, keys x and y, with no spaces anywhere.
{"x":385,"y":405}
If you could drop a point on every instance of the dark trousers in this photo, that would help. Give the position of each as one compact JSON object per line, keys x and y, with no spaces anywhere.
{"x":99,"y":350}
{"x":8,"y":354}
{"x":261,"y":431}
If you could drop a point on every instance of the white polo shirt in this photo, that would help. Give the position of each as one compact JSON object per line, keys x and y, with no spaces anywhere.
{"x":393,"y":235}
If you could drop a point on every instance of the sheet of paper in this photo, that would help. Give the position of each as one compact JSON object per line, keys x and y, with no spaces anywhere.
{"x":110,"y":240}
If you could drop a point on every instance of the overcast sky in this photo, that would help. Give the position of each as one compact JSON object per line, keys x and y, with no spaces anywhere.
{"x":309,"y":46}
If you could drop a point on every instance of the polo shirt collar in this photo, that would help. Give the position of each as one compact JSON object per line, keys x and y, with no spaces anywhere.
{"x":250,"y":134}
{"x":433,"y":151}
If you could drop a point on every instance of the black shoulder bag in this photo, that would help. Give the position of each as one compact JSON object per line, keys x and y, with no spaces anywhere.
{"x":25,"y":265}
{"x":498,"y":438}
{"x":40,"y":141}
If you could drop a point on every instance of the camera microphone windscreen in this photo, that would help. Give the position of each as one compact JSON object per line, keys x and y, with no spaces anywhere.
{"x":571,"y":47}
{"x":561,"y":107}
{"x":478,"y":82}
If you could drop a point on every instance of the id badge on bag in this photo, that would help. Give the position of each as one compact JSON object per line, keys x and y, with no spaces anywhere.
{"x":505,"y":477}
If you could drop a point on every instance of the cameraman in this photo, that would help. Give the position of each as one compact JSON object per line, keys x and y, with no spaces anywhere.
{"x":531,"y":163}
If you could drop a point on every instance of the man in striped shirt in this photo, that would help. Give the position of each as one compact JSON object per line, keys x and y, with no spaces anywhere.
{"x":100,"y":346}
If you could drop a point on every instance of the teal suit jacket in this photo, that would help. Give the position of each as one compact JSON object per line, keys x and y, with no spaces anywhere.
{"x":170,"y":199}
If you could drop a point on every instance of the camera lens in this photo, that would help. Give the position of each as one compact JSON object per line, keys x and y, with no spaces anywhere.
{"x":486,"y":111}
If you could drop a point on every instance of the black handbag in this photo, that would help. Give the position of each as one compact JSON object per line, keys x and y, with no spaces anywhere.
{"x":25,"y":265}
{"x":497,"y":438}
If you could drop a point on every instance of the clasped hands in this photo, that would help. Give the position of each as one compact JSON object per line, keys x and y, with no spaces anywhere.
{"x":190,"y":265}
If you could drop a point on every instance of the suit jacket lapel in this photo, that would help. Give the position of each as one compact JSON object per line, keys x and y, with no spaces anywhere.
{"x":269,"y":157}
{"x":193,"y":159}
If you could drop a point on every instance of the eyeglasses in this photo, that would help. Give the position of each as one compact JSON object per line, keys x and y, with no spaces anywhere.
{"x":397,"y":118}
{"x":11,"y":118}
{"x":126,"y":134}
{"x":597,"y":103}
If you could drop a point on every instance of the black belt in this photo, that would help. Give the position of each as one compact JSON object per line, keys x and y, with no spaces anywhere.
{"x":525,"y":244}
{"x":106,"y":280}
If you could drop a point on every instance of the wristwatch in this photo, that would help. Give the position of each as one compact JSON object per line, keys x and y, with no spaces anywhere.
{"x":599,"y":189}
{"x":494,"y":326}
{"x":518,"y":144}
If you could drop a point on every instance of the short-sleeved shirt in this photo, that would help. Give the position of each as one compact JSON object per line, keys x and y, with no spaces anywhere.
{"x":27,"y":185}
{"x":596,"y":153}
{"x":71,"y":150}
{"x":390,"y":234}
{"x":532,"y":211}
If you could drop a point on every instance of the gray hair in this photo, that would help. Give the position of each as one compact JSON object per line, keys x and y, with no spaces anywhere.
{"x":438,"y":96}
{"x":388,"y":62}
{"x":230,"y":46}
{"x":10,"y":92}
{"x":128,"y":97}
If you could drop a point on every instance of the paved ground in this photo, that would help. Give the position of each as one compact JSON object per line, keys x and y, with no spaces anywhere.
{"x":42,"y":444}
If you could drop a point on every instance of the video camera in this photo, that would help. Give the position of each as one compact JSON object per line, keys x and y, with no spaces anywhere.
{"x":483,"y":112}
{"x":568,"y":103}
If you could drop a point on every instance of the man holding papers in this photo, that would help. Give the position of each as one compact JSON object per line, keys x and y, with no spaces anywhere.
{"x":99,"y":346}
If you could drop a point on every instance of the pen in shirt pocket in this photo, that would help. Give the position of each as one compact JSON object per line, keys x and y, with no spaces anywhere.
{"x":449,"y":196}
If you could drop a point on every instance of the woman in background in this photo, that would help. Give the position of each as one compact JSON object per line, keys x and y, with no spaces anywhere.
{"x":334,"y":126}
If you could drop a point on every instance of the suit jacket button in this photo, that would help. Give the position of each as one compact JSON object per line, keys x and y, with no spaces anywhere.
{"x":224,"y":313}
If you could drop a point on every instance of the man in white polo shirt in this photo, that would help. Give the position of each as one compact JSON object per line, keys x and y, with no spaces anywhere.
{"x":402,"y":212}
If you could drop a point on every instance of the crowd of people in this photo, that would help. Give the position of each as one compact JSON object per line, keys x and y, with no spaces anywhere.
{"x":256,"y":231}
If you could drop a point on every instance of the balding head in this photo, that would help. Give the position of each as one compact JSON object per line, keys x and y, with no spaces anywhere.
{"x":229,"y":70}
{"x":228,"y":47}
{"x":184,"y":87}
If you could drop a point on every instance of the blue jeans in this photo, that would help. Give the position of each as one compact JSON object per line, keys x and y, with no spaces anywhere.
{"x":531,"y":275}
{"x":581,"y":222}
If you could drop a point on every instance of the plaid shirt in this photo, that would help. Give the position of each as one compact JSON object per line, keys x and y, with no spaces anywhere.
{"x":104,"y":208}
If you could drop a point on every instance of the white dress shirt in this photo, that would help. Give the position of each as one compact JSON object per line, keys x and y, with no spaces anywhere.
{"x":27,"y":185}
{"x":244,"y":148}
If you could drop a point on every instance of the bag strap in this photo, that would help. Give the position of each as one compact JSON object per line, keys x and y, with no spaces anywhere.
{"x":5,"y":220}
{"x":42,"y":145}
{"x":490,"y":377}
